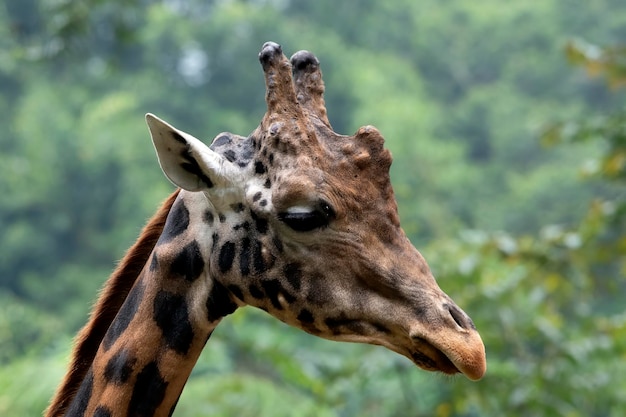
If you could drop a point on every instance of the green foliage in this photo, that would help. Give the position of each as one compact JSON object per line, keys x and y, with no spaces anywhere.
{"x":611,"y":61}
{"x":24,"y":329}
{"x":26,"y":383}
{"x":528,"y":240}
{"x":558,"y":332}
{"x":553,"y":332}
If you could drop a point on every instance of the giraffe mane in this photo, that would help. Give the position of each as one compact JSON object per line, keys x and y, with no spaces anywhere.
{"x":109,"y":302}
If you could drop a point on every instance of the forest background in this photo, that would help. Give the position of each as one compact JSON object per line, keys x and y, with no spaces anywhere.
{"x":508,"y":130}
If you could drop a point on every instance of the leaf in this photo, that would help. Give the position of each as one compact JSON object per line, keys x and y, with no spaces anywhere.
{"x":615,"y":164}
{"x":608,"y":61}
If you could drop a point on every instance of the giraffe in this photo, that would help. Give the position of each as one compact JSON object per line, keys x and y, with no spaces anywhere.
{"x":294,"y":219}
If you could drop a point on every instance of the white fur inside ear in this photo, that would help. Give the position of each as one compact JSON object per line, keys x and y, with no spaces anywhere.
{"x":188,"y":162}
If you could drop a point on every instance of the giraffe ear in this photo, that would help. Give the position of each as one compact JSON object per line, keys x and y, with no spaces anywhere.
{"x":187,"y":162}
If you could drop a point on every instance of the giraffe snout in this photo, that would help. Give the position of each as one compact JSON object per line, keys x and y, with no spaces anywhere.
{"x":459,"y":340}
{"x":446,"y":340}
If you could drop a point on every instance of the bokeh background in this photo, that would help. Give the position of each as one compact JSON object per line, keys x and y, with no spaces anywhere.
{"x":507,"y":124}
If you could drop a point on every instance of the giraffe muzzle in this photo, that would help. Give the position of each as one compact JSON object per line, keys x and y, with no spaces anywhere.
{"x":451,"y":346}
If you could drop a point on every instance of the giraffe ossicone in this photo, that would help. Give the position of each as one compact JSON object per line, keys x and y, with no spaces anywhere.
{"x":294,"y":219}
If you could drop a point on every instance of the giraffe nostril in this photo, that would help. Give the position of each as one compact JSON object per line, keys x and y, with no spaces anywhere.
{"x":459,"y":317}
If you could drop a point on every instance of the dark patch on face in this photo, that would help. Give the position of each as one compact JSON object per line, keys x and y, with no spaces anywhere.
{"x":306,"y":316}
{"x":230,"y":155}
{"x":353,"y":326}
{"x":219,"y":303}
{"x":177,"y":222}
{"x":188,"y":263}
{"x":171,"y":314}
{"x":238,"y":208}
{"x":273,"y":289}
{"x":236,"y":291}
{"x":268,"y":183}
{"x":154,"y":263}
{"x":124,"y":316}
{"x":257,"y":196}
{"x":148,"y":392}
{"x":221,"y":217}
{"x":215,"y":238}
{"x":226,"y":257}
{"x":333,"y":322}
{"x":271,"y":159}
{"x":191,"y":165}
{"x":256,"y":292}
{"x":257,"y":257}
{"x":261,"y":224}
{"x":81,"y":399}
{"x":420,"y":313}
{"x":259,"y":168}
{"x":244,"y":226}
{"x":263,"y":203}
{"x":244,"y":257}
{"x":318,"y":294}
{"x":221,"y":141}
{"x":102,"y":411}
{"x":293,"y":273}
{"x":381,"y":328}
{"x":120,"y":367}
{"x":208,"y":217}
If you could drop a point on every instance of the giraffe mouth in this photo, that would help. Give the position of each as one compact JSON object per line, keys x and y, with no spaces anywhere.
{"x":460,"y":352}
{"x":430,"y":358}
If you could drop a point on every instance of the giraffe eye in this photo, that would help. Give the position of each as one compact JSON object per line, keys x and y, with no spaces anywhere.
{"x":305,"y":219}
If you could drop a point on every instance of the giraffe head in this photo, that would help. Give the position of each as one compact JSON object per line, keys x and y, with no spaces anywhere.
{"x":304,"y":225}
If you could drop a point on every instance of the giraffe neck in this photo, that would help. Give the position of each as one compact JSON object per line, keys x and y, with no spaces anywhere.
{"x":152,"y":345}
